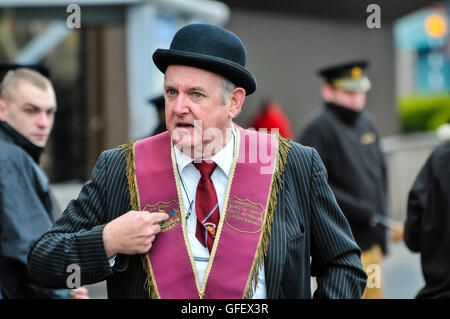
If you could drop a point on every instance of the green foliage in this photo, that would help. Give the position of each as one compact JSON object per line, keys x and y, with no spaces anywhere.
{"x":423,"y":112}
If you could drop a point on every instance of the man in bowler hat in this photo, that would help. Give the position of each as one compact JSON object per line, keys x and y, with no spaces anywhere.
{"x":348,"y":144}
{"x":192,"y":212}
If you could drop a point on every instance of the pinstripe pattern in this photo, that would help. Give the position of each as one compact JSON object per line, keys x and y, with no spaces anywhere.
{"x":307,"y":222}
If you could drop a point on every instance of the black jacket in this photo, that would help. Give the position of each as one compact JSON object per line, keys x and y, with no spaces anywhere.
{"x":25,"y":214}
{"x":428,"y":220}
{"x":348,"y":144}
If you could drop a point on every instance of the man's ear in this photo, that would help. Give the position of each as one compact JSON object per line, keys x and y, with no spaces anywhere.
{"x":2,"y":110}
{"x":327,"y":93}
{"x":236,"y":101}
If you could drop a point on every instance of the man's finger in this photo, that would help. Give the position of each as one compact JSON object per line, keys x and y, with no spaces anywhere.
{"x":159,"y":218}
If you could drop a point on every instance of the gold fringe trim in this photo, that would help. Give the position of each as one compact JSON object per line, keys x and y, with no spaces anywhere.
{"x":277,"y":183}
{"x":128,"y":152}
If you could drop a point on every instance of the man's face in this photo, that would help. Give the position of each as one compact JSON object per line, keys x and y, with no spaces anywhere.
{"x":194,"y":96}
{"x":30,"y":111}
{"x":352,"y":100}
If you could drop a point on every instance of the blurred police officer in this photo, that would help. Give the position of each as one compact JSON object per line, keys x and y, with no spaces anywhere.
{"x":348,"y":144}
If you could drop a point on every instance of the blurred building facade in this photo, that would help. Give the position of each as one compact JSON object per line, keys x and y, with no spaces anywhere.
{"x":422,"y":49}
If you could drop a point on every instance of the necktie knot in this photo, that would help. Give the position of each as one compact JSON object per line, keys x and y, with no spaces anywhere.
{"x":206,"y":168}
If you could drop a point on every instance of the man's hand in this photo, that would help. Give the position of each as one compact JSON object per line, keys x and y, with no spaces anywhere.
{"x":397,"y":230}
{"x":80,"y":293}
{"x":132,"y":233}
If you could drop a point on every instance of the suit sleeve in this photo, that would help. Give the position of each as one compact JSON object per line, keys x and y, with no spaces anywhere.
{"x":417,"y":201}
{"x":75,"y":239}
{"x":335,"y":256}
{"x":39,"y":292}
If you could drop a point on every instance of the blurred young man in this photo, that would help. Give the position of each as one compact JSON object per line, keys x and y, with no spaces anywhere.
{"x":27,"y":113}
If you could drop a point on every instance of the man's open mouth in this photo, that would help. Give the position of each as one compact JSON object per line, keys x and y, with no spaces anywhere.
{"x":185,"y":125}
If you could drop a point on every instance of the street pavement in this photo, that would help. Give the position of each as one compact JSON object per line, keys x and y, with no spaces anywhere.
{"x":402,"y":273}
{"x":402,"y":276}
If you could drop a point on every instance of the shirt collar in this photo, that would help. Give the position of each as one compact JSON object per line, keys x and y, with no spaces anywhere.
{"x":223,"y":158}
{"x":33,"y":150}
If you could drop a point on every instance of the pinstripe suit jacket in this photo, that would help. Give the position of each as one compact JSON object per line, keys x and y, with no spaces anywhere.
{"x":307,"y":222}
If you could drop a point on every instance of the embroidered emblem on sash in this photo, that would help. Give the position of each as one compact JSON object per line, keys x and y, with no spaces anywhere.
{"x":171,"y":208}
{"x":244,"y":216}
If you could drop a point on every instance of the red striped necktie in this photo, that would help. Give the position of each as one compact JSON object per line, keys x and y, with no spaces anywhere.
{"x":206,"y":205}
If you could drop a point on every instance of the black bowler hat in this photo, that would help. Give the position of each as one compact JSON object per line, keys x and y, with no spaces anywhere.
{"x":210,"y":48}
{"x":348,"y":76}
{"x":5,"y":67}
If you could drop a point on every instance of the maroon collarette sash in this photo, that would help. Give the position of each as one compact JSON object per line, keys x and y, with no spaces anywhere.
{"x":231,"y":270}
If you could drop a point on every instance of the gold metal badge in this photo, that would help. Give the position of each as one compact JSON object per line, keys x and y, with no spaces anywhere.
{"x":368,"y":138}
{"x":356,"y":73}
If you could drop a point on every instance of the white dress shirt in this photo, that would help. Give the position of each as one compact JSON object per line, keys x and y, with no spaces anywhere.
{"x":190,"y":177}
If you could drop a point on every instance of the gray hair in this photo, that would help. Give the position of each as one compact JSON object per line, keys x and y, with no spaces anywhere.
{"x":227,"y":89}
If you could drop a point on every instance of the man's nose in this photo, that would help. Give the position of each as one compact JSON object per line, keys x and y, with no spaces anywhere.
{"x":181,"y":105}
{"x":43,"y":120}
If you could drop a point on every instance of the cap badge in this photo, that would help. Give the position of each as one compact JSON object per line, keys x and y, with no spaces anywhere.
{"x":356,"y":73}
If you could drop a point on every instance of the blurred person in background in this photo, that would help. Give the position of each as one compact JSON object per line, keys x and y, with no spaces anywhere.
{"x":348,"y":143}
{"x":428,"y":218}
{"x":270,"y":116}
{"x":27,"y":112}
{"x":159,"y":103}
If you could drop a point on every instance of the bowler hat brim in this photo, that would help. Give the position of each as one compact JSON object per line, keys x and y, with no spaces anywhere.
{"x":228,"y":69}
